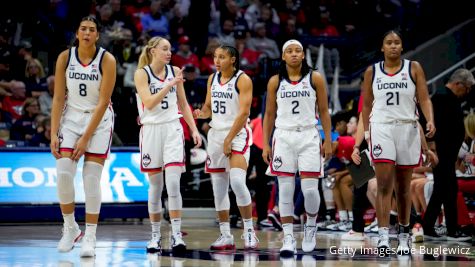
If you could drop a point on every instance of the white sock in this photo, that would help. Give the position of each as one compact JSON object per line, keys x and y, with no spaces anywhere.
{"x":393,"y":212}
{"x":288,"y":229}
{"x":311,"y":221}
{"x":343,"y":215}
{"x":176,"y":226}
{"x":350,"y":215}
{"x":156,"y":227}
{"x":69,"y":219}
{"x":225,"y":228}
{"x":247,"y":225}
{"x":91,"y":229}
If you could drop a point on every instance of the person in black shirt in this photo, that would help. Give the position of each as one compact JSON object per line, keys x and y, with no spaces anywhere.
{"x":447,"y":141}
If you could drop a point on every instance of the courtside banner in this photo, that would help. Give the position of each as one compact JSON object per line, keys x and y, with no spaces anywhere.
{"x":30,"y":177}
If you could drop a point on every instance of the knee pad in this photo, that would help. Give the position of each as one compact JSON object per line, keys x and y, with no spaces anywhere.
{"x":172,"y":180}
{"x":311,"y":195}
{"x":91,"y":174}
{"x":155,"y":188}
{"x":66,"y":170}
{"x":237,"y":178}
{"x":220,"y":182}
{"x":328,"y":197}
{"x":286,"y":196}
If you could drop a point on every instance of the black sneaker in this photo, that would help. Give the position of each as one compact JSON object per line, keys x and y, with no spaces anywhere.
{"x":432,"y":235}
{"x":459,"y":236}
{"x":275,"y":219}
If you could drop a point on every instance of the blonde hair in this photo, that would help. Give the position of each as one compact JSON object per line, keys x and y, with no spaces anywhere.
{"x":34,"y":61}
{"x":469,"y":122}
{"x":146,"y":57}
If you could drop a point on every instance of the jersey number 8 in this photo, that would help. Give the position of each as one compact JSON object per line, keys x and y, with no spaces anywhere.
{"x":82,"y":89}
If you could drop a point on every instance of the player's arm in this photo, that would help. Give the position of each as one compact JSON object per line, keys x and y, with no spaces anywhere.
{"x":269,"y":117}
{"x":322,"y":104}
{"x":244,"y":85}
{"x":186,"y":111}
{"x":423,"y":96}
{"x":205,"y":111}
{"x":58,"y":100}
{"x":368,"y":98}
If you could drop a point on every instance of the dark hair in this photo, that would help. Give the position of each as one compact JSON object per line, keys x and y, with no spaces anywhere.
{"x":87,"y":18}
{"x":392,"y":31}
{"x":283,"y":69}
{"x":233,"y":52}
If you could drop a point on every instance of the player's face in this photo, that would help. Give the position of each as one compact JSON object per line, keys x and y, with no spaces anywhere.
{"x":87,"y":33}
{"x":351,"y":125}
{"x":392,"y":46}
{"x":162,"y":51}
{"x":223,"y":60}
{"x":293,"y":55}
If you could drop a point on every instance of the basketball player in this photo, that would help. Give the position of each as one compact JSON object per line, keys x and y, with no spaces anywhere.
{"x":391,"y":89}
{"x":293,"y":96}
{"x":228,"y":103}
{"x":160,"y":95}
{"x":85,"y":76}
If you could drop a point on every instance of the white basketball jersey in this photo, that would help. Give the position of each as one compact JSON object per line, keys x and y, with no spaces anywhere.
{"x":394,"y":95}
{"x":165,"y":111}
{"x":296,"y":103}
{"x":83,"y":81}
{"x":224,"y":101}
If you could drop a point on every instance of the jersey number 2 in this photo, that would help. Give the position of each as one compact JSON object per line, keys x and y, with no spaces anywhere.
{"x":390,"y":96}
{"x":82,"y":89}
{"x":296,"y":105}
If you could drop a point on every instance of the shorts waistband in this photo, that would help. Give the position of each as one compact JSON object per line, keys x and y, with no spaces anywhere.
{"x":80,"y":110}
{"x":298,"y":129}
{"x":395,"y":122}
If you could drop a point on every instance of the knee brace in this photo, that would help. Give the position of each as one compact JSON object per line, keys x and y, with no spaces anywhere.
{"x":286,"y":196}
{"x":155,"y":188}
{"x":328,"y":197}
{"x":91,"y":174}
{"x":237,"y":178}
{"x":66,"y":170}
{"x":220,"y":182}
{"x":172,"y":180}
{"x":311,"y":195}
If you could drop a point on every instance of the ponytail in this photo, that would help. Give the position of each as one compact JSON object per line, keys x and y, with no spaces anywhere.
{"x":146,"y":57}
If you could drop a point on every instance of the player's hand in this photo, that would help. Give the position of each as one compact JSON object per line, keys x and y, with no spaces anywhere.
{"x":196,"y":113}
{"x":227,"y":147}
{"x":469,"y":158}
{"x":54,"y":145}
{"x":79,"y":148}
{"x":196,"y":138}
{"x":430,"y":128}
{"x":327,"y":150}
{"x":432,"y":158}
{"x":178,"y":77}
{"x":355,"y":156}
{"x":267,"y":154}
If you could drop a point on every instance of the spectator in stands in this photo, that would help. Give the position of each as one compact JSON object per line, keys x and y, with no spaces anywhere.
{"x":177,"y":23}
{"x":272,"y":26}
{"x":195,"y":88}
{"x":12,"y":104}
{"x":253,"y":13}
{"x":249,"y":57}
{"x":42,"y":138}
{"x":207,"y":61}
{"x":449,"y":120}
{"x":5,"y":126}
{"x":24,"y":127}
{"x":35,"y":78}
{"x":155,"y":23}
{"x":46,"y":99}
{"x":226,"y":36}
{"x":184,"y":55}
{"x":5,"y":74}
{"x":325,"y":27}
{"x":261,"y":43}
{"x":136,"y":10}
{"x":289,"y":31}
{"x":24,"y":53}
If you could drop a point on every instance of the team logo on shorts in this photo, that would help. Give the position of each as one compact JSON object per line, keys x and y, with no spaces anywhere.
{"x":208,"y":161}
{"x":146,"y":160}
{"x":60,"y":137}
{"x":377,"y":150}
{"x":277,"y":162}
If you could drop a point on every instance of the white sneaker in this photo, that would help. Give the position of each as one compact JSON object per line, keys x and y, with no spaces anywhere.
{"x":155,"y":244}
{"x":250,"y":240}
{"x":335,"y":226}
{"x":383,"y":242}
{"x":88,"y":246}
{"x":404,"y":245}
{"x":324,"y":224}
{"x":177,"y":243}
{"x":346,"y":226}
{"x":375,"y":229}
{"x":224,"y":242}
{"x":368,"y":228}
{"x":289,"y":246}
{"x":309,"y":238}
{"x":352,"y":236}
{"x":417,"y":233}
{"x":71,"y":235}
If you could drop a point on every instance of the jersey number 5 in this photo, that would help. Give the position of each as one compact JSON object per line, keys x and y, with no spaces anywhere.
{"x":82,"y":89}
